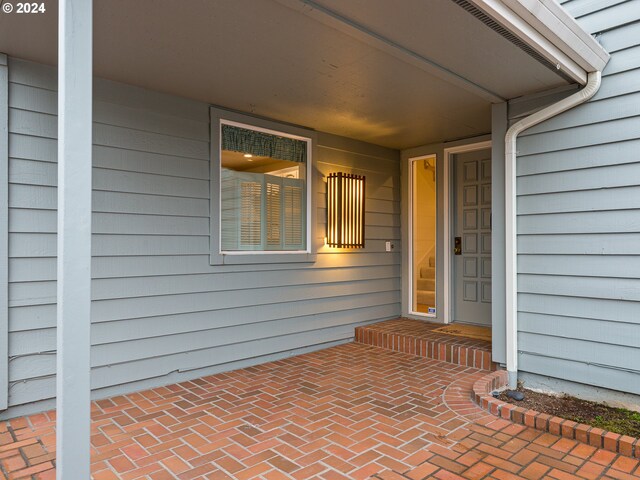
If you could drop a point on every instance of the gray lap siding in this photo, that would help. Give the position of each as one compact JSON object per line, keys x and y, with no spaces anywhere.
{"x":160,"y":312}
{"x":579,"y":221}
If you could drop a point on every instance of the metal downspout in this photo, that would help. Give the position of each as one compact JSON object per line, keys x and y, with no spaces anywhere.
{"x":511,"y":251}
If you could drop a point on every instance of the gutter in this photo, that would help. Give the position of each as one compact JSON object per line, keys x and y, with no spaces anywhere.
{"x":511,"y":250}
{"x":548,"y":30}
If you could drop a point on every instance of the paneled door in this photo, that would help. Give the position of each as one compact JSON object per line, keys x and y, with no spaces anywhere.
{"x":472,"y":237}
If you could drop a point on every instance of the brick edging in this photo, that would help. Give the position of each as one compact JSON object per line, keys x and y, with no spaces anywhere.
{"x":596,"y":437}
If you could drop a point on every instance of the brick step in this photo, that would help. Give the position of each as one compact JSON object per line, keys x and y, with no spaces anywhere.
{"x":416,"y":337}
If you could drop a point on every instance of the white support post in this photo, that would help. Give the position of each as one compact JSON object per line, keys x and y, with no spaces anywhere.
{"x":75,"y":77}
{"x":4,"y":232}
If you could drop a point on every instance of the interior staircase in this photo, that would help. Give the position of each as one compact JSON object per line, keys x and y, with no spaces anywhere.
{"x":426,"y":291}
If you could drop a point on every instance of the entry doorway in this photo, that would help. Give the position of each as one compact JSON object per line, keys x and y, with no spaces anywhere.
{"x":470,"y":236}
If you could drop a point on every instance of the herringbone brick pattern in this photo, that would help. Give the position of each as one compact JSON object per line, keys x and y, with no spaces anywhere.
{"x":348,"y":412}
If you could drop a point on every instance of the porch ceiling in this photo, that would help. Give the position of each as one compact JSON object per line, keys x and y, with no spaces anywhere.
{"x":364,"y":71}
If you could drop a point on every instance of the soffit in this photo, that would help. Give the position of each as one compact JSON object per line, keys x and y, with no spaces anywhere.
{"x":265,"y":57}
{"x":443,"y":32}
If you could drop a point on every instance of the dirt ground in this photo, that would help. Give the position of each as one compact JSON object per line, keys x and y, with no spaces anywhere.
{"x":599,"y":415}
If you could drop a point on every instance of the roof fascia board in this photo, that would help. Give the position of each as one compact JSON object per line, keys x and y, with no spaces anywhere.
{"x":505,"y":16}
{"x":555,"y":23}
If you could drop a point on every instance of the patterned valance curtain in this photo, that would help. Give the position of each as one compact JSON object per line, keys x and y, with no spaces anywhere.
{"x":261,"y":144}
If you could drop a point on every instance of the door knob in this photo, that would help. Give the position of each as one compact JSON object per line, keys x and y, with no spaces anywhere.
{"x":457,"y":246}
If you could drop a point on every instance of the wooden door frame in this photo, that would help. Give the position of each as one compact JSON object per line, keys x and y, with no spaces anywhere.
{"x":448,"y":222}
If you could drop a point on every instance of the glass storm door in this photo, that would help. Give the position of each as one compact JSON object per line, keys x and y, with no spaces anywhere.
{"x":423,"y":235}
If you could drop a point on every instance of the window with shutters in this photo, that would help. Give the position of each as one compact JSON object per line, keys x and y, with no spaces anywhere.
{"x":262,"y":190}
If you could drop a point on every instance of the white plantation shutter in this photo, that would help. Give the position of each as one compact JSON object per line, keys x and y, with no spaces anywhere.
{"x":262,"y":212}
{"x":274,"y":213}
{"x":241,"y":218}
{"x":251,"y":214}
{"x":229,"y":210}
{"x":294,"y":213}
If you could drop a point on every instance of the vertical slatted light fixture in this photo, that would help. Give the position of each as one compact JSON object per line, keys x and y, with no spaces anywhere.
{"x":345,"y":210}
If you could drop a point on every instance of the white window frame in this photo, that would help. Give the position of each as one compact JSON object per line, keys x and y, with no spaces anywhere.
{"x":218,"y":117}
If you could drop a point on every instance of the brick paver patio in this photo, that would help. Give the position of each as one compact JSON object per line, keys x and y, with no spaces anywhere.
{"x":347,"y":412}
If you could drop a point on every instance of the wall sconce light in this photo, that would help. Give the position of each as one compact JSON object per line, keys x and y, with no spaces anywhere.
{"x":345,"y":210}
